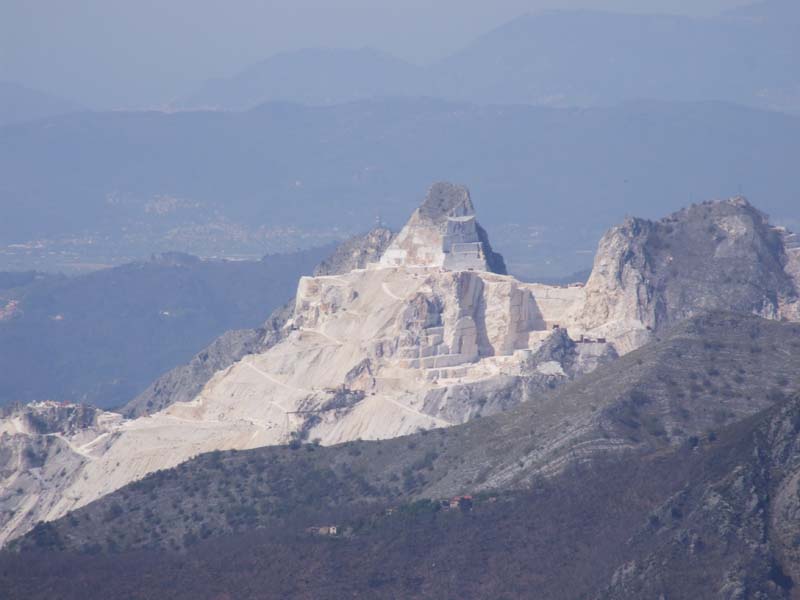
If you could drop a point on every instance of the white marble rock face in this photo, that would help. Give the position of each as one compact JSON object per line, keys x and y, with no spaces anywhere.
{"x":443,"y":232}
{"x":374,"y":353}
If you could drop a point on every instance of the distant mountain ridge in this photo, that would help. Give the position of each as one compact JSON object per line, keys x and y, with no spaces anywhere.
{"x":786,"y":12}
{"x":614,"y":58}
{"x":315,"y":76}
{"x":19,"y":104}
{"x":102,"y":338}
{"x":298,"y":173}
{"x":553,"y":58}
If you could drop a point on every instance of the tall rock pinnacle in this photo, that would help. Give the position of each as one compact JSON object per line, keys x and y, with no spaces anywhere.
{"x":443,"y":232}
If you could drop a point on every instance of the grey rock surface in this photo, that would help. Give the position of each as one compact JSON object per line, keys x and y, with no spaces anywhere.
{"x":356,"y":252}
{"x":443,"y":232}
{"x":712,"y":256}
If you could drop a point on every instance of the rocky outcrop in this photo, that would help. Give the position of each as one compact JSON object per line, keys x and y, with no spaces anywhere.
{"x":183,"y":383}
{"x":356,"y":253}
{"x":48,"y":418}
{"x":718,"y":255}
{"x":443,"y":232}
{"x":43,"y":449}
{"x":790,"y":307}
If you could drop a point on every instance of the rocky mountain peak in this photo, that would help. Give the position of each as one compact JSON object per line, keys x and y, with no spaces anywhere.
{"x":446,"y":200}
{"x":721,"y":255}
{"x":48,"y":417}
{"x":741,"y":202}
{"x":443,"y":232}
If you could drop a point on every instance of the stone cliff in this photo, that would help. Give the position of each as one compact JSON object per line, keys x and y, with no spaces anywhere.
{"x":649,"y":275}
{"x":443,"y":232}
{"x":356,"y":253}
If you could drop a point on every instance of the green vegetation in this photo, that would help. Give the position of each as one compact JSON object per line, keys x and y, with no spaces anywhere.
{"x":563,"y":537}
{"x":102,"y":338}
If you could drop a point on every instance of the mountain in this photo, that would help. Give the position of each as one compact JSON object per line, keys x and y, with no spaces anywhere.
{"x":554,"y":58}
{"x":778,"y":12}
{"x":376,"y":352}
{"x":590,"y":58}
{"x":19,"y":104}
{"x":102,"y":337}
{"x":284,"y":176}
{"x":715,"y":255}
{"x":429,"y":337}
{"x":184,"y":382}
{"x":632,"y":508}
{"x":314,"y":76}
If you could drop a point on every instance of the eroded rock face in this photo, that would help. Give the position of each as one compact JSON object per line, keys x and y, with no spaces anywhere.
{"x":357,"y":252}
{"x":43,"y":449}
{"x":49,"y":418}
{"x":719,"y":255}
{"x":790,"y":307}
{"x":443,"y":232}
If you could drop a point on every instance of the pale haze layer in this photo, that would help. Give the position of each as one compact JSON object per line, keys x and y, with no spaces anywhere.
{"x":121,"y":54}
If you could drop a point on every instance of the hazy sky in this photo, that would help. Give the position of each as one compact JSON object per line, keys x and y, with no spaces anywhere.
{"x":118,"y":53}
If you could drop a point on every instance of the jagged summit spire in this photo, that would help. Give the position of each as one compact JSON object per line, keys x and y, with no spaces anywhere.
{"x":446,"y":200}
{"x":443,"y":232}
